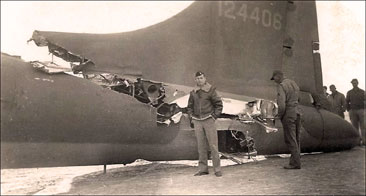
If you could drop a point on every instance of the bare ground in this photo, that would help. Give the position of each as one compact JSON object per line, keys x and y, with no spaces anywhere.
{"x":337,"y":173}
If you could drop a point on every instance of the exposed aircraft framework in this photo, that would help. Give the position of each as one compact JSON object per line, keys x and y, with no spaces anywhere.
{"x":131,"y":100}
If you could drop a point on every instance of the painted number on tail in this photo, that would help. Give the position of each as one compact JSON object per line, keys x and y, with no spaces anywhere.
{"x":265,"y":17}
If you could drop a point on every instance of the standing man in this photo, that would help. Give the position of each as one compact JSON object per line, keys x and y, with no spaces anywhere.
{"x":204,"y":106}
{"x":325,"y":91}
{"x":287,"y":100}
{"x":356,"y":100}
{"x":337,"y":101}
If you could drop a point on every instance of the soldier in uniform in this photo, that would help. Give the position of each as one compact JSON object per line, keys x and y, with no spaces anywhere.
{"x":337,"y":101}
{"x":326,"y":94}
{"x":356,"y":100}
{"x":288,"y":112}
{"x":204,"y":106}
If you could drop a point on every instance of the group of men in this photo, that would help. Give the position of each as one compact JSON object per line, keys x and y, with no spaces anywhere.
{"x":354,"y":103}
{"x":205,"y":106}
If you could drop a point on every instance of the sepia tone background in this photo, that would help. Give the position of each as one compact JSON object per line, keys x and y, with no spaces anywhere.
{"x":342,"y":47}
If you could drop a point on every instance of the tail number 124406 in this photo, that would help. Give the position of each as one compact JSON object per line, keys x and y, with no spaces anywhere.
{"x":234,"y":11}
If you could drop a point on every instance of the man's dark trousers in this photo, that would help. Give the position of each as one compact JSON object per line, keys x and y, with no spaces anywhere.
{"x":291,"y":128}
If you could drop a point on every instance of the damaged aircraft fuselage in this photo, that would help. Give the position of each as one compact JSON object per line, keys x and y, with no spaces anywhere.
{"x":131,"y":101}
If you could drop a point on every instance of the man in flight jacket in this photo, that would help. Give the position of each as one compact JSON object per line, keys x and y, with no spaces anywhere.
{"x":204,"y":106}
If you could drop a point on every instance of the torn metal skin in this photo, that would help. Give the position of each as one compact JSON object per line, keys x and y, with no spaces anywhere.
{"x":77,"y":62}
{"x":170,"y":101}
{"x":96,"y":125}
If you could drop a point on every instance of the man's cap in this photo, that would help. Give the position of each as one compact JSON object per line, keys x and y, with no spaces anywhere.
{"x":354,"y":80}
{"x":332,"y":85}
{"x":276,"y":72}
{"x":199,"y":73}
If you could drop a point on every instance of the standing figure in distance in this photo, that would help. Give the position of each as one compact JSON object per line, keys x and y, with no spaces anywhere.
{"x":356,"y":101}
{"x":325,"y":91}
{"x":337,"y":101}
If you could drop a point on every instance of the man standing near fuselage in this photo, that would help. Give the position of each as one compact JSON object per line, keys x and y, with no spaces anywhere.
{"x":337,"y":101}
{"x":356,"y":100}
{"x":204,"y":107}
{"x":288,"y":112}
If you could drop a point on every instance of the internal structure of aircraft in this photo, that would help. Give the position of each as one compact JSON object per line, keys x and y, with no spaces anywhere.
{"x":129,"y":101}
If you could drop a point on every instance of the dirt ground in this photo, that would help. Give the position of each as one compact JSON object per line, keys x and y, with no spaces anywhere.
{"x":337,"y":173}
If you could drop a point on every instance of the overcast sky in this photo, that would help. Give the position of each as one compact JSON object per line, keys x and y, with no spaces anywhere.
{"x":341,"y":28}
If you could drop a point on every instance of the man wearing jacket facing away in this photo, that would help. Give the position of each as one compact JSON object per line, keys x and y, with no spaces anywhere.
{"x":287,"y":100}
{"x":204,"y":106}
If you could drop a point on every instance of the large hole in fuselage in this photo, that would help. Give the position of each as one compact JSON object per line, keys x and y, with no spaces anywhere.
{"x":237,"y":143}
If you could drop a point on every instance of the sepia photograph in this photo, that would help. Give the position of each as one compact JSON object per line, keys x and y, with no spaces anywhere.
{"x":183,"y":98}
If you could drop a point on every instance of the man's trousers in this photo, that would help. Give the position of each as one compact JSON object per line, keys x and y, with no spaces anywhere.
{"x":206,"y":134}
{"x":358,"y":121}
{"x":291,"y":128}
